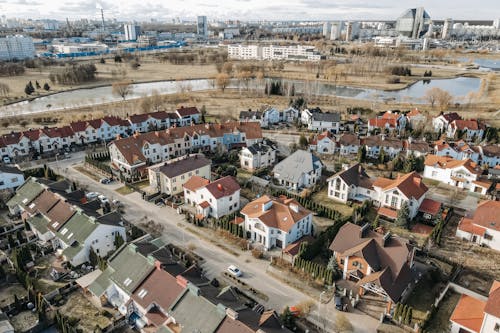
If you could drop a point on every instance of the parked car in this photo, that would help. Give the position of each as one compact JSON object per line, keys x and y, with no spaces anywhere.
{"x":103,"y":198}
{"x":105,"y":180}
{"x":92,"y":195}
{"x":234,"y":271}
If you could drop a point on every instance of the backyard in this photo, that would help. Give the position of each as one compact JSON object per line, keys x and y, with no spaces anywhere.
{"x":321,"y":198}
{"x":440,"y":322}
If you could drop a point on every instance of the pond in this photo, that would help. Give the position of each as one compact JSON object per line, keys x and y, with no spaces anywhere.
{"x":458,"y":87}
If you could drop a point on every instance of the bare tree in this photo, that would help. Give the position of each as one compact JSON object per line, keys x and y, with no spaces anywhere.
{"x":4,"y":89}
{"x":431,"y":96}
{"x":122,"y":89}
{"x":222,"y":81}
{"x":227,"y":68}
{"x":444,"y":99}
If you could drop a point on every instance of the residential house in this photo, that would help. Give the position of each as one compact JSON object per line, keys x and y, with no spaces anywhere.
{"x":81,"y":234}
{"x":393,"y":193}
{"x":430,"y":210}
{"x":306,"y":115}
{"x":254,"y":116}
{"x":324,"y":122}
{"x":169,"y":177}
{"x":459,"y":173}
{"x":140,"y":123}
{"x":416,"y":148}
{"x":354,"y":125}
{"x":258,"y":155}
{"x":382,"y":265}
{"x":475,"y":313}
{"x":441,"y":122}
{"x":348,"y":144}
{"x":276,"y":222}
{"x":388,"y":122}
{"x":212,"y":199}
{"x":10,"y":178}
{"x":188,"y":116}
{"x":459,"y":150}
{"x":15,"y":145}
{"x":301,"y":169}
{"x":271,"y":116}
{"x":289,"y":115}
{"x":416,"y":119}
{"x":483,"y":227}
{"x":490,"y":155}
{"x":374,"y":144}
{"x":85,"y":132}
{"x":470,"y":130}
{"x":131,"y":155}
{"x":127,"y":269}
{"x":323,"y":143}
{"x":352,"y":183}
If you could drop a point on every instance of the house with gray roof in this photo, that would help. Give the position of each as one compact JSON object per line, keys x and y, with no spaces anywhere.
{"x":352,"y":183}
{"x":299,"y":170}
{"x":24,"y":195}
{"x":10,"y":177}
{"x":324,"y":122}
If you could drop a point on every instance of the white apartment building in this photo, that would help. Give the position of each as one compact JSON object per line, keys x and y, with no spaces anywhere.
{"x":273,"y":52}
{"x":16,"y":47}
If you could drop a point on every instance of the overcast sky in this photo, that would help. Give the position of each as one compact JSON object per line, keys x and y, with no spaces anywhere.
{"x":248,"y":9}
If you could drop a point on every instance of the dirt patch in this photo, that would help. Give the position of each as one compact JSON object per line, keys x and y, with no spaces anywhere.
{"x":77,"y":306}
{"x":7,"y":293}
{"x":23,"y":321}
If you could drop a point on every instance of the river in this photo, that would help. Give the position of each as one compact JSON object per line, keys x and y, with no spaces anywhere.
{"x":458,"y":87}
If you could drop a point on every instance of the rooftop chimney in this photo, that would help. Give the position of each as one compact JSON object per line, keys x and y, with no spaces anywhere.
{"x":386,"y":238}
{"x":232,"y":314}
{"x":417,"y":181}
{"x":219,"y":187}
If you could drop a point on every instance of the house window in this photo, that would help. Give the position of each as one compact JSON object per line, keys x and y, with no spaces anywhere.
{"x":355,"y":263}
{"x":394,"y":201}
{"x":497,"y":327}
{"x":341,"y":261}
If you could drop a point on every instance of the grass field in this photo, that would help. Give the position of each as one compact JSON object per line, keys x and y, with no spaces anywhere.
{"x":321,"y":197}
{"x":124,"y":190}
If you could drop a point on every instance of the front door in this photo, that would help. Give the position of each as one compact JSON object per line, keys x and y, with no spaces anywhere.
{"x":279,"y":243}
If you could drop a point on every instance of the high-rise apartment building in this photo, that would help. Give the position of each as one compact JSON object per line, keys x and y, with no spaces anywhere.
{"x":132,"y":31}
{"x":202,"y":27}
{"x":413,"y":23}
{"x":16,"y":48}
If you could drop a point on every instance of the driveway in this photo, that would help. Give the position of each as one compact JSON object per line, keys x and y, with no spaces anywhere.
{"x":216,"y":259}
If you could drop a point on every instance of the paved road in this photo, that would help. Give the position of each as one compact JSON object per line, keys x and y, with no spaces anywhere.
{"x":216,"y":259}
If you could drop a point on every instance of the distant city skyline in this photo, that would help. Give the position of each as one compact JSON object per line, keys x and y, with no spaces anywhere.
{"x":247,"y":9}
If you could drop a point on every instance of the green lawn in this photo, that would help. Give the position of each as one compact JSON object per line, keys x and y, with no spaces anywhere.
{"x":124,"y":190}
{"x":321,"y":197}
{"x":243,"y":175}
{"x":142,"y":184}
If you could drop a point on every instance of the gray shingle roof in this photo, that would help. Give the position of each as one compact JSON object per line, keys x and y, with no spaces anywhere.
{"x":328,"y":117}
{"x":300,"y":162}
{"x":181,"y":166}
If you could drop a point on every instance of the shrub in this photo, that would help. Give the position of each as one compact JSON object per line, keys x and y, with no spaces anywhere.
{"x":393,"y":80}
{"x":258,"y":254}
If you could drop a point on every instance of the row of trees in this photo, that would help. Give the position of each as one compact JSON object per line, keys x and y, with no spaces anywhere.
{"x":74,"y":74}
{"x":403,"y":313}
{"x":400,"y":70}
{"x":315,"y":270}
{"x":29,"y":88}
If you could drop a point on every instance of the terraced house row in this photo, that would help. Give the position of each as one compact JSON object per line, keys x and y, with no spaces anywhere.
{"x":49,"y":140}
{"x":133,"y":154}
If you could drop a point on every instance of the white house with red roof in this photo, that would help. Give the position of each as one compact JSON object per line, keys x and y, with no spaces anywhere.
{"x":416,"y":118}
{"x":460,"y":173}
{"x":389,"y":121}
{"x":276,"y":222}
{"x":483,"y":227}
{"x":16,"y":144}
{"x":459,"y":150}
{"x":213,"y":199}
{"x":472,"y":129}
{"x":323,"y":143}
{"x":475,"y":313}
{"x":85,"y":132}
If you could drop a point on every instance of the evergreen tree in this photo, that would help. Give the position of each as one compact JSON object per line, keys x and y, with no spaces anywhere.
{"x":362,"y":154}
{"x":382,"y":156}
{"x":93,"y":257}
{"x":118,"y":240}
{"x":37,"y":85}
{"x":46,"y":87}
{"x":376,"y":222}
{"x":403,"y":218}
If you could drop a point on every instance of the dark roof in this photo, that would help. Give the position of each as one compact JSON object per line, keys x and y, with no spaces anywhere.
{"x":250,"y":114}
{"x":349,"y":140}
{"x":355,"y":175}
{"x":389,"y":261}
{"x":328,"y":117}
{"x":183,"y":165}
{"x":91,"y":207}
{"x":189,"y":111}
{"x":112,"y":218}
{"x":8,"y":169}
{"x":260,"y":147}
{"x":268,"y":321}
{"x":223,"y":187}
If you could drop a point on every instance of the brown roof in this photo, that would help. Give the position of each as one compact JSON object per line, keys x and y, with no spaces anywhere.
{"x":469,"y":313}
{"x":43,"y":203}
{"x":355,"y":175}
{"x":223,"y":187}
{"x":382,"y":122}
{"x":349,"y":140}
{"x":189,"y":111}
{"x":391,"y":257}
{"x":195,"y":183}
{"x":487,"y":215}
{"x":293,"y":248}
{"x":233,"y":326}
{"x":430,"y":206}
{"x":60,"y":214}
{"x":204,"y":204}
{"x":376,"y":140}
{"x":388,"y":212}
{"x":493,"y":304}
{"x":446,"y":162}
{"x":279,"y":215}
{"x":159,"y":288}
{"x":180,"y":166}
{"x":410,"y":185}
{"x":491,"y":150}
{"x":138,"y":118}
{"x":467,"y":226}
{"x":451,"y":116}
{"x":420,"y":146}
{"x":466,"y":124}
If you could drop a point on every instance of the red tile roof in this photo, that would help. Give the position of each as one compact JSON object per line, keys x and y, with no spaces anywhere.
{"x":138,"y":118}
{"x":189,"y":111}
{"x":446,"y":162}
{"x":466,"y":124}
{"x":413,"y":113}
{"x":469,"y":313}
{"x":223,"y":187}
{"x":381,"y":122}
{"x":430,"y":206}
{"x":467,"y":226}
{"x":387,"y":212}
{"x":493,"y":303}
{"x":204,"y":204}
{"x":195,"y":183}
{"x":487,"y":215}
{"x":410,"y":185}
